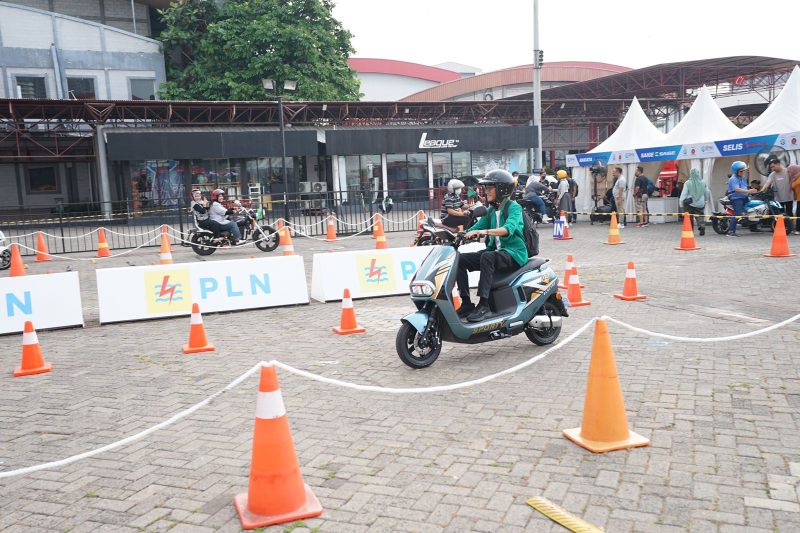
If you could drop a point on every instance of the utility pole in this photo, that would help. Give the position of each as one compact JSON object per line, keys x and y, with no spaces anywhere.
{"x":537,"y":89}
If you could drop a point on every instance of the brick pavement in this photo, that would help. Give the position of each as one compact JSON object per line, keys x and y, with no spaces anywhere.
{"x":722,"y":417}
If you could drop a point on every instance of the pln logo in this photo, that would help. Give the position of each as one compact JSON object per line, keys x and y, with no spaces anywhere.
{"x":168,"y":291}
{"x":375,"y":273}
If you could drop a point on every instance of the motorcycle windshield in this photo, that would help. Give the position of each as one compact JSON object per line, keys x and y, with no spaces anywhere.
{"x":439,"y":261}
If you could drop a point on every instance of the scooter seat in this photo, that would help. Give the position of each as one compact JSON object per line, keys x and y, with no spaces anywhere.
{"x":505,"y":279}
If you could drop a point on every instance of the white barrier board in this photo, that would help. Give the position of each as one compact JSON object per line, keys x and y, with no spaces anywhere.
{"x":47,"y":300}
{"x":137,"y":293}
{"x":368,"y":273}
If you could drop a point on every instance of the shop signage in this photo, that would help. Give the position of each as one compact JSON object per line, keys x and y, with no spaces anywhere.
{"x":749,"y":145}
{"x":587,"y":160}
{"x":47,"y":300}
{"x":661,"y":153}
{"x":426,"y":143}
{"x":138,"y":293}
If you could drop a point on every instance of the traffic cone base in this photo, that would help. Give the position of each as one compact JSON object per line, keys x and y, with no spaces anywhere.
{"x":310,"y":509}
{"x":630,"y":298}
{"x":630,"y":292}
{"x":32,"y":360}
{"x":347,"y":323}
{"x":687,"y":236}
{"x":19,"y":372}
{"x":779,"y":247}
{"x":207,"y":348}
{"x":197,"y":334}
{"x":574,"y":296}
{"x":634,"y":440}
{"x":341,"y":331}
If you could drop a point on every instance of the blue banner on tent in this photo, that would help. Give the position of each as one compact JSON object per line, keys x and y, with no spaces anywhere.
{"x":748,"y":145}
{"x":586,"y":160}
{"x":661,"y":153}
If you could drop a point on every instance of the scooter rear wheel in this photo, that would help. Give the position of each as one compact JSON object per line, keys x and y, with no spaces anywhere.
{"x":543,"y":337}
{"x":5,"y":259}
{"x":407,"y":345}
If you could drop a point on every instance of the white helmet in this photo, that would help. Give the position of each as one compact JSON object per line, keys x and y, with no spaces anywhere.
{"x":454,"y":186}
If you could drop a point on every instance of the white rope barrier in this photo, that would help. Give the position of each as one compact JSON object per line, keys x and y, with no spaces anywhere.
{"x":69,"y":258}
{"x":375,"y":388}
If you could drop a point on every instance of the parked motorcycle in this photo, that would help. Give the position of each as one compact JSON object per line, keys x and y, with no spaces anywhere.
{"x":525,"y":300}
{"x":5,"y":253}
{"x":759,"y":211}
{"x":266,"y":237}
{"x":447,"y":233}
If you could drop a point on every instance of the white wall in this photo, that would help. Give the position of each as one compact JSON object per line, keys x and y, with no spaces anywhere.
{"x":9,"y":180}
{"x":22,"y":28}
{"x":389,"y":87}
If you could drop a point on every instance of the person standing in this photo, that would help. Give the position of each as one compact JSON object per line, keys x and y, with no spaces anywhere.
{"x":573,"y":191}
{"x":778,"y":180}
{"x":640,"y":187}
{"x":694,"y":197}
{"x":794,"y":177}
{"x":620,"y":191}
{"x":738,"y":192}
{"x":564,"y":196}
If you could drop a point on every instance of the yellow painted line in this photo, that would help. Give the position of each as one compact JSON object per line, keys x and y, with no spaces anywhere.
{"x":561,"y":516}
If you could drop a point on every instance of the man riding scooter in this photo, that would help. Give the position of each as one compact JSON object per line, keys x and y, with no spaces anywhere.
{"x":505,"y":251}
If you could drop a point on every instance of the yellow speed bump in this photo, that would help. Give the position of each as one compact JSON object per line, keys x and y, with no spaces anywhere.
{"x":559,"y":515}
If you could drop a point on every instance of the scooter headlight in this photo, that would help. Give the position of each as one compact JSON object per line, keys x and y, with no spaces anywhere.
{"x":422,"y":288}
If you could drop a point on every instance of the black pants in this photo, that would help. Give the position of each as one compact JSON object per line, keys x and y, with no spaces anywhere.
{"x":488,"y":262}
{"x":211,"y":225}
{"x":456,"y":221}
{"x":787,"y":211}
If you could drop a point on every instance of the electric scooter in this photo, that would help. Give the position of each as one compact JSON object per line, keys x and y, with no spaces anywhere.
{"x":525,"y":300}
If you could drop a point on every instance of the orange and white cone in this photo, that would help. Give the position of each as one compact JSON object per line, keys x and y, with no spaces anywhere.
{"x":331,"y":234}
{"x":613,"y":231}
{"x":563,"y":235}
{"x":32,"y":361}
{"x":456,"y":299}
{"x":565,"y":280}
{"x":165,"y":256}
{"x":377,"y":219}
{"x":42,"y":254}
{"x":380,"y":238}
{"x":780,"y":247}
{"x":276,"y":493}
{"x":420,"y":219}
{"x":629,"y":290}
{"x":102,"y":244}
{"x":287,"y":246}
{"x":574,"y":290}
{"x":197,"y":334}
{"x":687,"y":235}
{"x":604,"y":427}
{"x":164,"y":229}
{"x":17,"y":266}
{"x":348,"y":324}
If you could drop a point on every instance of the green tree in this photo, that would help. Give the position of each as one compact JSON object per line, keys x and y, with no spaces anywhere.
{"x":223,"y":53}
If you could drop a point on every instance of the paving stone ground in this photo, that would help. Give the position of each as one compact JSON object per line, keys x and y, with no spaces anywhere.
{"x":722,"y":417}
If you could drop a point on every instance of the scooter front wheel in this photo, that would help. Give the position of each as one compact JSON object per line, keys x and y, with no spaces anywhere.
{"x":409,"y":350}
{"x":543,"y":337}
{"x":720,"y":225}
{"x":5,"y":259}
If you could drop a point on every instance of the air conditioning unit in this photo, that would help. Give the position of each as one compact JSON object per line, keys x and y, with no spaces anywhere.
{"x":305,"y":186}
{"x":319,"y":186}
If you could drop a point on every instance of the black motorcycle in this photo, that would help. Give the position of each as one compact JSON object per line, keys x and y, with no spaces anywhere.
{"x":759,"y":212}
{"x":205,"y":242}
{"x":427,"y":238}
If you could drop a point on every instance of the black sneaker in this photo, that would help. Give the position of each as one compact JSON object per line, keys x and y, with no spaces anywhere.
{"x":480,"y":312}
{"x":465,"y":309}
{"x":702,"y":231}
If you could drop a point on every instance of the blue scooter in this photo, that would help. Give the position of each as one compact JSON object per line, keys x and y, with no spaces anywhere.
{"x":525,"y":300}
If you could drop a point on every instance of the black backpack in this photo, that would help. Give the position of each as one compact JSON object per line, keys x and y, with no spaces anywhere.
{"x":651,"y":187}
{"x":529,"y":233}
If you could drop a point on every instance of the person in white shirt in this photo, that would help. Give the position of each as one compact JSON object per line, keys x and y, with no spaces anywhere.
{"x":620,"y":192}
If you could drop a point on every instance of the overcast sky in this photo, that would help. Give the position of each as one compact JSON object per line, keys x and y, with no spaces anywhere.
{"x":497,"y":34}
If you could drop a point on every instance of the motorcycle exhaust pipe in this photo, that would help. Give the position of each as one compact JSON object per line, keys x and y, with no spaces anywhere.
{"x":545,"y":322}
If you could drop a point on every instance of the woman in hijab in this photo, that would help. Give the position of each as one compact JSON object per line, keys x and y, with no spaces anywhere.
{"x":564,"y":196}
{"x":694,"y":196}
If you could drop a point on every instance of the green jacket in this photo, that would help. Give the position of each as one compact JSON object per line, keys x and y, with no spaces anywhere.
{"x":513,"y":243}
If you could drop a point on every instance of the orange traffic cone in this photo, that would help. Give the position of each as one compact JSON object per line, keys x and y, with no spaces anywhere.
{"x":331,"y":236}
{"x":629,"y":290}
{"x":164,"y":229}
{"x":565,"y":280}
{"x":380,"y":242}
{"x":197,"y":334}
{"x":17,"y":266}
{"x":687,"y":235}
{"x":564,"y":236}
{"x":574,"y":290}
{"x":102,"y":244}
{"x":456,"y":299}
{"x":287,"y":246}
{"x":605,"y":425}
{"x":347,"y":324}
{"x":279,"y":224}
{"x":42,"y":254}
{"x":613,"y":231}
{"x":780,"y":247}
{"x":420,"y":219}
{"x":32,"y":361}
{"x":166,"y":250}
{"x":377,"y":219}
{"x":276,"y":493}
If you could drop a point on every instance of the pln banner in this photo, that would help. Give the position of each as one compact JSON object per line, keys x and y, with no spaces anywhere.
{"x":47,"y":300}
{"x":140,"y":293}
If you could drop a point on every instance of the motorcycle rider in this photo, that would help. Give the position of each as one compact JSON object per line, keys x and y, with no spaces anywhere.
{"x":199,"y":207}
{"x":219,"y":213}
{"x":454,"y":213}
{"x":738,"y":192}
{"x":505,"y":250}
{"x":534,"y":190}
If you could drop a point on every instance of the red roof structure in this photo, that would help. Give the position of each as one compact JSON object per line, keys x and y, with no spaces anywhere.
{"x":401,"y":68}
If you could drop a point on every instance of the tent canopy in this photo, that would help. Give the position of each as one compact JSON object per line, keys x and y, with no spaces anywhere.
{"x":634,"y":130}
{"x":704,"y":122}
{"x":783,"y":114}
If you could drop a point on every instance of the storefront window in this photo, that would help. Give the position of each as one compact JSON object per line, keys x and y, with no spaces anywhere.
{"x":462,"y":164}
{"x":352,"y":172}
{"x":156,"y":183}
{"x":510,"y":160}
{"x":442,"y":169}
{"x":397,"y":175}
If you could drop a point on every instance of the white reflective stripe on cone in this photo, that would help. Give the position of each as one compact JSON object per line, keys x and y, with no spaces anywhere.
{"x":166,"y":256}
{"x":574,"y":280}
{"x":197,"y":318}
{"x":347,"y":303}
{"x":29,"y":338}
{"x":630,"y":273}
{"x":269,"y":405}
